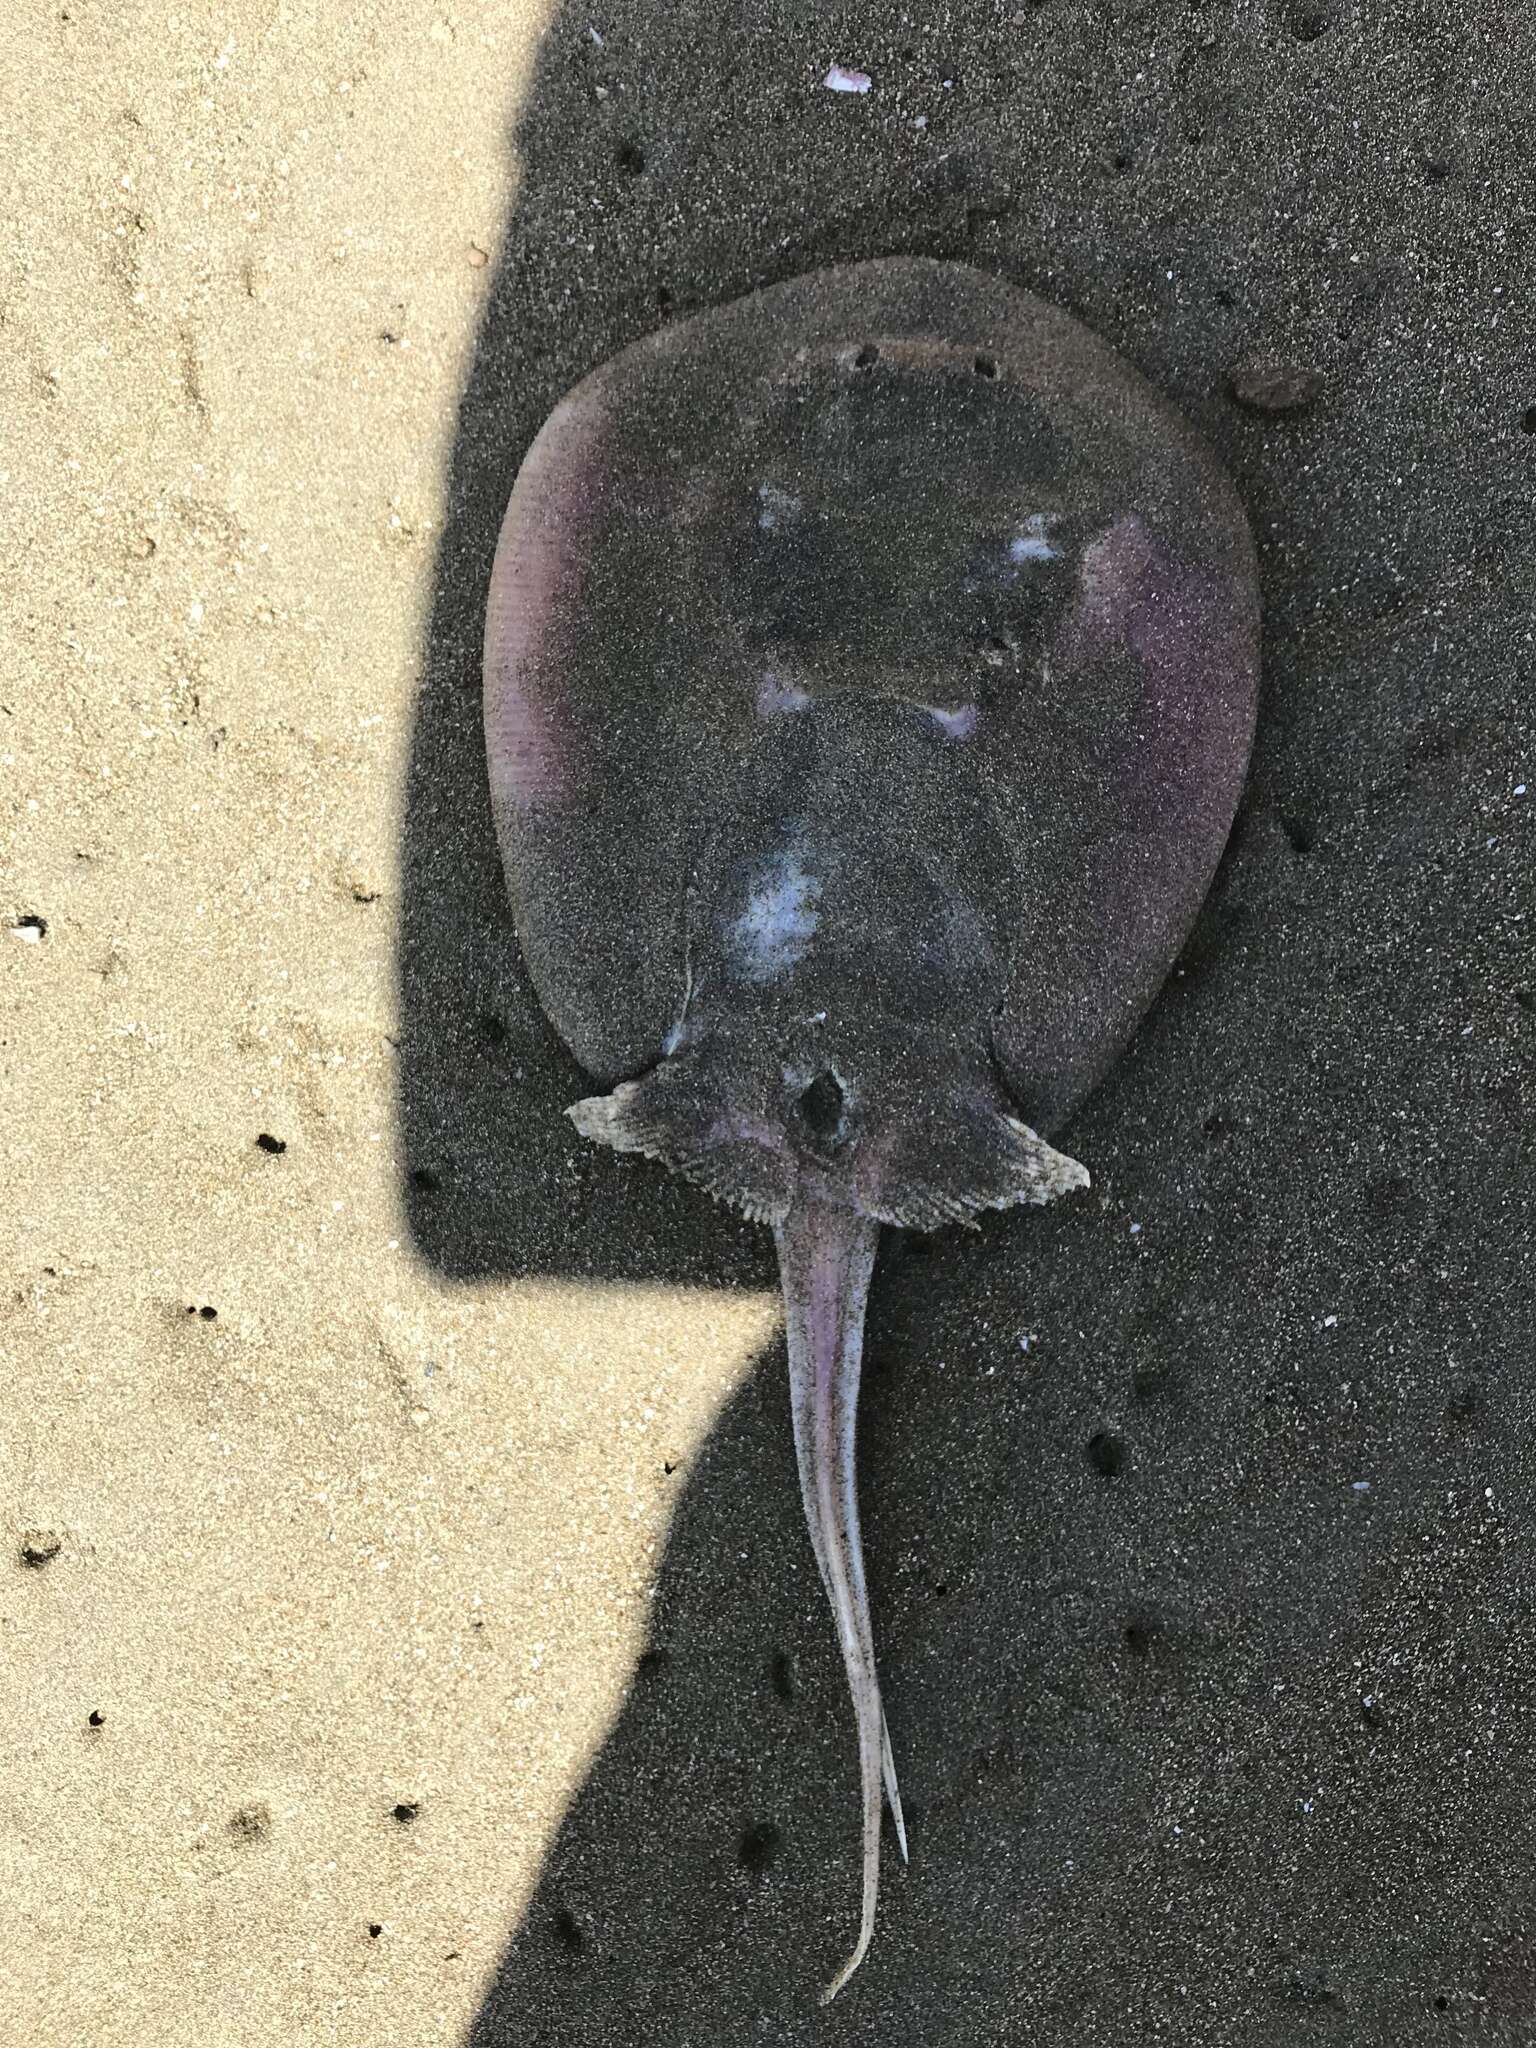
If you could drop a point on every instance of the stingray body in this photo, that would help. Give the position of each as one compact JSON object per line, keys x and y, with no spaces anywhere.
{"x":870,"y":676}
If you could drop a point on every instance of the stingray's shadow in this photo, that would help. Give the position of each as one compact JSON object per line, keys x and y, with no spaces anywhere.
{"x":704,"y":1883}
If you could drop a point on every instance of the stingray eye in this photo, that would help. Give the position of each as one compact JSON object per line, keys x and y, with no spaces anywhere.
{"x":821,"y":1108}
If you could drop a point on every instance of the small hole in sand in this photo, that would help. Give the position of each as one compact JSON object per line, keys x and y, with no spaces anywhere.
{"x":30,"y":927}
{"x":425,"y":1179}
{"x":375,"y":1929}
{"x":208,"y":1315}
{"x":267,"y":1143}
{"x":784,"y":1674}
{"x":1465,"y":1405}
{"x":1107,"y":1454}
{"x":652,"y":1663}
{"x":1310,"y":25}
{"x":867,"y":357}
{"x":759,"y":1847}
{"x":96,"y":1718}
{"x":251,"y":1823}
{"x":630,"y":158}
{"x":986,"y":366}
{"x":492,"y":1030}
{"x":567,"y":1933}
{"x":1436,"y":171}
{"x":1528,"y":420}
{"x":1387,"y":1194}
{"x":406,"y":1811}
{"x":39,"y":1547}
{"x":1301,"y":836}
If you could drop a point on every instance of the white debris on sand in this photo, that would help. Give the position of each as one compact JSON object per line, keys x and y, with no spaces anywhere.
{"x":840,"y":79}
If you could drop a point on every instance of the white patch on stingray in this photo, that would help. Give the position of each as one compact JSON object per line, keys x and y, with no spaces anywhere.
{"x":776,"y":507}
{"x":958,"y":724}
{"x":1030,"y":544}
{"x":775,"y":696}
{"x":771,"y":934}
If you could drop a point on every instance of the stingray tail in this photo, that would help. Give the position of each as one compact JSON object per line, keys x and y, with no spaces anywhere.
{"x":826,"y":1256}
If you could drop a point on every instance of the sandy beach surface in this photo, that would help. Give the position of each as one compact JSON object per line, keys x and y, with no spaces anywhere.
{"x":407,"y":1631}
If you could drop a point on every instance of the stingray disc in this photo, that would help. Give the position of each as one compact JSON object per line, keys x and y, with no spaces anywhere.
{"x":933,"y":512}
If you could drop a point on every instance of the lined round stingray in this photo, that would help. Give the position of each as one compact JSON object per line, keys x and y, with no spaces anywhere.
{"x":936,"y":511}
{"x":869,"y":680}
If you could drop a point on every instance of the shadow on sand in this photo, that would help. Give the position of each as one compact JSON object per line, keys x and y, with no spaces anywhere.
{"x":1188,"y":1736}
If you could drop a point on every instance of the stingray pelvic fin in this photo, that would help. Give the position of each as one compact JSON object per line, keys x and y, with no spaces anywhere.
{"x":680,"y":1113}
{"x":948,"y":1167}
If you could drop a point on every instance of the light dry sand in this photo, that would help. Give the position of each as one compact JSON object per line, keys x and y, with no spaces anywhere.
{"x":334,"y":1534}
